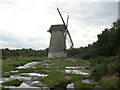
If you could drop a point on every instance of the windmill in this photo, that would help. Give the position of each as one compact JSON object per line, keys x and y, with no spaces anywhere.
{"x":57,"y":47}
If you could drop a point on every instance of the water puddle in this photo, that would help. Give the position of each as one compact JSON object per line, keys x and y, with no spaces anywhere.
{"x":88,"y":81}
{"x":46,"y":64}
{"x":16,"y":71}
{"x":72,"y":67}
{"x":28,"y":65}
{"x":77,"y":70}
{"x":47,"y":60}
{"x":34,"y":74}
{"x":30,"y":80}
{"x":71,"y":59}
{"x":70,"y":86}
{"x":23,"y":85}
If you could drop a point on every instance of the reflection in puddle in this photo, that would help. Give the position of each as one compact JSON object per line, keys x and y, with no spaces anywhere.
{"x":16,"y":71}
{"x":34,"y":74}
{"x":88,"y":81}
{"x":23,"y":85}
{"x":77,"y":70}
{"x":28,"y":65}
{"x":29,"y":80}
{"x":72,"y":67}
{"x":71,"y":86}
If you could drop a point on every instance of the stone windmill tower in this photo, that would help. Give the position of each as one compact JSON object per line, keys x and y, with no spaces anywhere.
{"x":57,"y":47}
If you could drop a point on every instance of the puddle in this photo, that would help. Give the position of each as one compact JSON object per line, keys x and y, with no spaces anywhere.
{"x":37,"y":84}
{"x":16,"y":71}
{"x":6,"y":72}
{"x":29,"y":80}
{"x":47,"y":60}
{"x":28,"y":65}
{"x":77,"y":70}
{"x":72,"y":67}
{"x":14,"y":77}
{"x":23,"y":85}
{"x":88,"y":81}
{"x":71,"y":86}
{"x":71,"y":59}
{"x":80,"y":72}
{"x":34,"y":74}
{"x":46,"y":64}
{"x":1,"y":81}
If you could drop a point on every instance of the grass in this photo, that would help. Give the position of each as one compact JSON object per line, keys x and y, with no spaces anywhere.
{"x":15,"y":82}
{"x":55,"y":78}
{"x":109,"y":81}
{"x":106,"y":71}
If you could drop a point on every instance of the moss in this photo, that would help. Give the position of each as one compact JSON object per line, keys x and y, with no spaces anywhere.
{"x":55,"y":79}
{"x":15,"y":82}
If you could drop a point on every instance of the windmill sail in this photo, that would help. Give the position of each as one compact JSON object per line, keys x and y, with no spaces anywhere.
{"x":67,"y":21}
{"x":66,"y":27}
{"x":61,"y":17}
{"x":70,"y":42}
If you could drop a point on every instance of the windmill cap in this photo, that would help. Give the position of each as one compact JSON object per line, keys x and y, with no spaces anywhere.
{"x":58,"y":27}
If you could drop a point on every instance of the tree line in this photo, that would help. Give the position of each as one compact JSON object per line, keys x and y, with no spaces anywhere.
{"x":108,"y":44}
{"x":7,"y":53}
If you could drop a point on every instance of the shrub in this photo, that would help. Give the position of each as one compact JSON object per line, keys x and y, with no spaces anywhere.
{"x":109,"y":81}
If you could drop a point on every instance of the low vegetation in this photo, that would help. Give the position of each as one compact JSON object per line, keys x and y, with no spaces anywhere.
{"x":15,"y":82}
{"x":106,"y":71}
{"x":109,"y":81}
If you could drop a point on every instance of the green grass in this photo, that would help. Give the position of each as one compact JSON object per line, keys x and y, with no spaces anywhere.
{"x":16,"y":82}
{"x":78,"y":84}
{"x":55,"y":78}
{"x":109,"y":81}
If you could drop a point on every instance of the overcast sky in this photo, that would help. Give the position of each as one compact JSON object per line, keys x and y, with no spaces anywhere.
{"x":24,"y":23}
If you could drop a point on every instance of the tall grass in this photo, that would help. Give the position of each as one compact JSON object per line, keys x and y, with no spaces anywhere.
{"x":106,"y":70}
{"x":109,"y":81}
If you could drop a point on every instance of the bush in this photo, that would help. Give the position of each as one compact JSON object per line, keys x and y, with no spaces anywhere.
{"x":109,"y":81}
{"x":98,"y":60}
